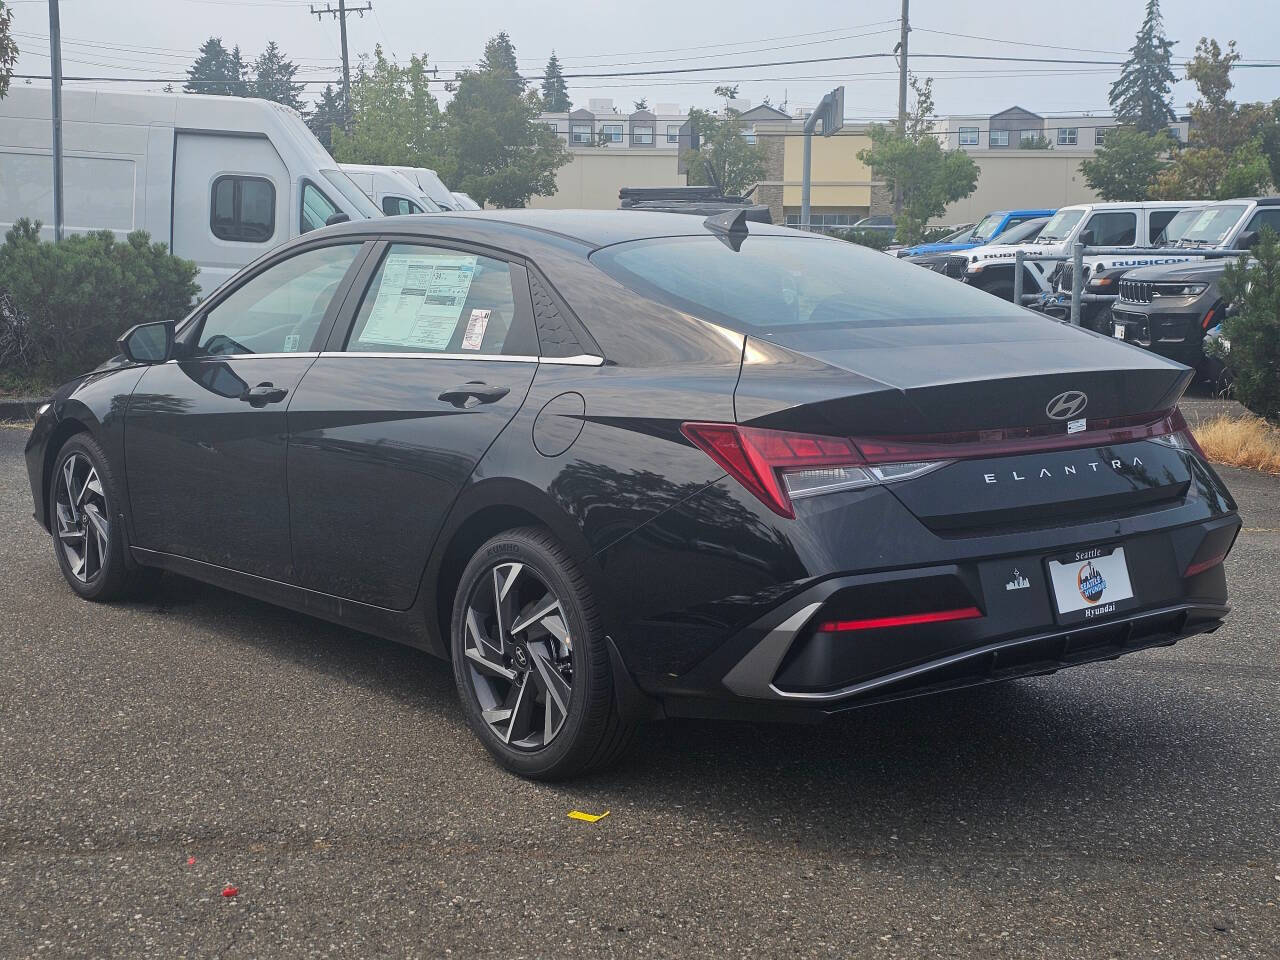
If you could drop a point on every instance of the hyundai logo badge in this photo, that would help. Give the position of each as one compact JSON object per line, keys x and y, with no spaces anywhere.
{"x":1067,"y":405}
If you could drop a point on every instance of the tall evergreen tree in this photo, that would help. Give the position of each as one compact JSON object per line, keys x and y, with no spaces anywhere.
{"x":555,"y":95}
{"x":273,"y":79}
{"x":328,"y":114}
{"x":1141,"y":97}
{"x":500,"y":59}
{"x":217,"y":71}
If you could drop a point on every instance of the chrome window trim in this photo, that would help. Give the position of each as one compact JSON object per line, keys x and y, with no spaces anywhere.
{"x":245,"y":356}
{"x":581,"y":360}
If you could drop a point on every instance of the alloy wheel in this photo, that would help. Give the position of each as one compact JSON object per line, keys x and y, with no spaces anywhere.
{"x":519,"y":655}
{"x":84,"y":530}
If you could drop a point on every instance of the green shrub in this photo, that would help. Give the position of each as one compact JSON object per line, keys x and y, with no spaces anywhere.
{"x":876,"y":239}
{"x":1253,"y":329}
{"x":75,"y":298}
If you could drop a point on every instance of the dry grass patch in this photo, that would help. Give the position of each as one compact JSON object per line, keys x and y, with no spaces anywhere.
{"x":1241,"y":442}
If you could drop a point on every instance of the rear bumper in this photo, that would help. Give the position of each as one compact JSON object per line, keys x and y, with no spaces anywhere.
{"x":785,"y":667}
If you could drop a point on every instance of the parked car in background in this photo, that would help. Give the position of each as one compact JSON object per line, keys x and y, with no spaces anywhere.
{"x":430,"y":184}
{"x":875,"y":223}
{"x":221,"y":180}
{"x":985,"y":230}
{"x":990,"y":268}
{"x":618,"y":466}
{"x":946,"y":264}
{"x":391,"y":190}
{"x":1228,"y":225}
{"x":465,"y":202}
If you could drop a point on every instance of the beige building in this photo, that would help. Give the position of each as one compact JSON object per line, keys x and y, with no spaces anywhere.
{"x":1022,"y":179}
{"x":841,"y":187}
{"x":593,"y":176}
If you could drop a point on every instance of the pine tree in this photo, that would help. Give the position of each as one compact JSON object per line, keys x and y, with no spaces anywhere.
{"x":213,"y":72}
{"x":555,"y":95}
{"x":273,"y":79}
{"x":500,"y":58}
{"x":237,"y":74}
{"x":328,"y":114}
{"x":1141,"y":96}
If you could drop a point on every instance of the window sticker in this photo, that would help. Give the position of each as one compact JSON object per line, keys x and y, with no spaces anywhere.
{"x":291,"y":343}
{"x":420,"y":300}
{"x":476,"y":327}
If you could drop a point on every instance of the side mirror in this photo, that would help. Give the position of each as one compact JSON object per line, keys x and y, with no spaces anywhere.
{"x":338,"y":217}
{"x":148,"y":342}
{"x":1247,"y":240}
{"x":1086,"y":237}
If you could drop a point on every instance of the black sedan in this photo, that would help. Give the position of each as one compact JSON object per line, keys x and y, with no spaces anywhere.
{"x":618,"y":466}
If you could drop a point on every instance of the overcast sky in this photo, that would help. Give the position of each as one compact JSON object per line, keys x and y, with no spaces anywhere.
{"x":158,"y":38}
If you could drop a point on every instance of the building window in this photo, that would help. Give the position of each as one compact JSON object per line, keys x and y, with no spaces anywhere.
{"x":612,"y":132}
{"x":968,"y":136}
{"x":243,"y":209}
{"x":999,"y":138}
{"x":673,"y":133}
{"x":1026,"y":136}
{"x":1068,"y":136}
{"x":1100,"y":136}
{"x":580,"y":132}
{"x":1176,"y":134}
{"x":642,"y":135}
{"x":552,"y":125}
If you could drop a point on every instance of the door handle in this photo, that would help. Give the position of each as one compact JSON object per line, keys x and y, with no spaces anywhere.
{"x":474,"y":390}
{"x":263,"y":394}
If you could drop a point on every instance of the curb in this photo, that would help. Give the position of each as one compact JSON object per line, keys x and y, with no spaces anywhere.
{"x":19,"y":409}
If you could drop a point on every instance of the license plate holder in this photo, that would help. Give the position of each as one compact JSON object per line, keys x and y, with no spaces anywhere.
{"x":1091,"y":584}
{"x":1118,"y":331}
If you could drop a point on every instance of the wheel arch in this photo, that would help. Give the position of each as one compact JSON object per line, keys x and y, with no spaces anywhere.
{"x":67,"y":427}
{"x":485,"y":510}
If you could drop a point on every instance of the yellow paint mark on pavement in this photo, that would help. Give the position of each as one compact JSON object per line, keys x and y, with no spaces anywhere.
{"x":589,"y":817}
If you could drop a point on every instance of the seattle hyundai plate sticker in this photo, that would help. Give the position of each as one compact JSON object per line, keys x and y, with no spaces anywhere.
{"x":1091,"y":582}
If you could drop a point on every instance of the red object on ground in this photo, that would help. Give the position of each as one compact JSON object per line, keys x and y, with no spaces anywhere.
{"x":191,"y":861}
{"x":230,"y":891}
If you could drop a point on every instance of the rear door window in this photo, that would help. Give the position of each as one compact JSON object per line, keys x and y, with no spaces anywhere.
{"x":1113,"y":229}
{"x":428,"y":299}
{"x":1158,"y":221}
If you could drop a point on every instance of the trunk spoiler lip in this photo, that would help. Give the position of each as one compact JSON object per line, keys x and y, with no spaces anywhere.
{"x":1012,"y":441}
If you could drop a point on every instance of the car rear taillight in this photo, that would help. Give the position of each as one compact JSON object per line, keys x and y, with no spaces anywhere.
{"x":900,"y":620}
{"x":778,"y":466}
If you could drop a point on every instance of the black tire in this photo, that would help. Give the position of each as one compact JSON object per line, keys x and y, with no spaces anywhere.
{"x":591,"y":734}
{"x":106,"y":574}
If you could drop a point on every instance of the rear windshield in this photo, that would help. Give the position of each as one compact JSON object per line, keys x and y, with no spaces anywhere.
{"x":780,"y":283}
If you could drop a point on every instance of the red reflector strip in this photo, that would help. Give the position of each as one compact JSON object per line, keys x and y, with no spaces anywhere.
{"x":902,"y":620}
{"x":1202,"y":565}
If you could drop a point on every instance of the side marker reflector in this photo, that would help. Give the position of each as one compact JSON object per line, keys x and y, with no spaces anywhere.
{"x":903,"y":620}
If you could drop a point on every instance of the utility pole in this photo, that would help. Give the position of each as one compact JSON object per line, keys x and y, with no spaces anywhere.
{"x":340,"y":14}
{"x":902,"y":93}
{"x":55,"y":74}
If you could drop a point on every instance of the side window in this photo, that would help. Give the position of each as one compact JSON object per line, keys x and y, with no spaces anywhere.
{"x":316,"y":208}
{"x":399,"y":206}
{"x":243,"y":209}
{"x":433,"y":300}
{"x":1159,"y":220}
{"x":1265,"y":218}
{"x":1113,"y":229}
{"x":279,"y":310}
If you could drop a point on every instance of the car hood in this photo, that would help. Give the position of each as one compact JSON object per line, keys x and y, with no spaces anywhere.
{"x":1205,"y":270}
{"x":924,"y":248}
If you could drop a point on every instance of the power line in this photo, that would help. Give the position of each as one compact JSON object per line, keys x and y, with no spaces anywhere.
{"x":340,"y":14}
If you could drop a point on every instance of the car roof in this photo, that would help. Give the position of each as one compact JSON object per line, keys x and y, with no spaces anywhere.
{"x":517,"y":228}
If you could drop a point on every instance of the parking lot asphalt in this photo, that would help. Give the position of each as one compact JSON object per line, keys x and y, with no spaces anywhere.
{"x":154,"y":753}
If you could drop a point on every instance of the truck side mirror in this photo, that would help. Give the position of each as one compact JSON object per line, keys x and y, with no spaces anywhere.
{"x":338,"y":217}
{"x":1247,"y":240}
{"x":1086,"y":237}
{"x":148,"y":342}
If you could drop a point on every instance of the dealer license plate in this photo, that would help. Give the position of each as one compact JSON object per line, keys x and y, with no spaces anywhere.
{"x":1090,"y":583}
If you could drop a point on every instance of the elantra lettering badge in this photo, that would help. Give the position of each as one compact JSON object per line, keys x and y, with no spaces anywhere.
{"x":1067,"y":405}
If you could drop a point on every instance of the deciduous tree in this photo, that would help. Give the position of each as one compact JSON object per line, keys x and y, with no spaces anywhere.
{"x":498,"y":150}
{"x":1126,"y":165}
{"x":8,"y":48}
{"x":395,"y":119}
{"x":723,"y":157}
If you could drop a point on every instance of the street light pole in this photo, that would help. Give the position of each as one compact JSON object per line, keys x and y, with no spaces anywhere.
{"x":831,"y":112}
{"x":55,"y":74}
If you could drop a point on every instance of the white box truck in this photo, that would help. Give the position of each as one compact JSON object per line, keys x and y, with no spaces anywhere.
{"x":221,"y":180}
